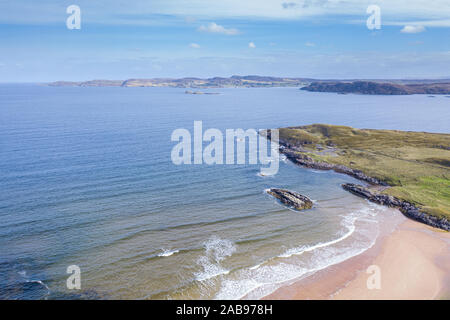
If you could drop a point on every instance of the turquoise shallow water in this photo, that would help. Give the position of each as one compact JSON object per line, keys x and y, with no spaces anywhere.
{"x":87,"y":179}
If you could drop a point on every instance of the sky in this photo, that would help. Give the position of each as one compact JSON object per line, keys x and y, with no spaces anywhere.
{"x":323,"y":39}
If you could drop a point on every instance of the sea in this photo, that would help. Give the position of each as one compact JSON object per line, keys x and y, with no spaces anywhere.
{"x":87,"y":180}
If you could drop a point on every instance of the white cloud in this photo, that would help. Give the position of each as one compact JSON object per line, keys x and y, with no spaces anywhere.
{"x":412,"y":29}
{"x":194,"y":45}
{"x":216,"y":28}
{"x":251,"y":45}
{"x":310,"y":44}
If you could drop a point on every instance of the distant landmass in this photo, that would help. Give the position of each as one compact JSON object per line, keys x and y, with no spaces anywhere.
{"x":216,"y":82}
{"x":382,"y":87}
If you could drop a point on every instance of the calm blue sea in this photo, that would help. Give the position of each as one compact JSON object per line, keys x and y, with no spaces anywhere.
{"x":86,"y":179}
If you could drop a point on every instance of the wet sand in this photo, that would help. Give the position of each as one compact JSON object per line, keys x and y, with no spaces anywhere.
{"x":413,"y":261}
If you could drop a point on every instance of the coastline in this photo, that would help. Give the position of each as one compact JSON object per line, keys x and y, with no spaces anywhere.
{"x":413,"y":263}
{"x":296,"y":152}
{"x":411,"y":257}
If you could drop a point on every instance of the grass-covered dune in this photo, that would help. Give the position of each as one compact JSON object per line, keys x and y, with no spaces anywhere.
{"x":415,"y":164}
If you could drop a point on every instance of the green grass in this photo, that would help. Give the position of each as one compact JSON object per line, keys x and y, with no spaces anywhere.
{"x":415,"y":164}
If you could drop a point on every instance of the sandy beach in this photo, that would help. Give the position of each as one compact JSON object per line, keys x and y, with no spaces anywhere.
{"x":412,"y":261}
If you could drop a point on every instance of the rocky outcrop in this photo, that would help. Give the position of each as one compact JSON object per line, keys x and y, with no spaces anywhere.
{"x":408,"y":209}
{"x":303,"y":160}
{"x":291,"y":198}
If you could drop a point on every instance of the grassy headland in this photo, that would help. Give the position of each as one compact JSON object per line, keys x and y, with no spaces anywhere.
{"x":416,"y":165}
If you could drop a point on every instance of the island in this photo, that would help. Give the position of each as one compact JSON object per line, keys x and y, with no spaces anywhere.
{"x":402,"y":169}
{"x":200,"y":92}
{"x":292,"y":199}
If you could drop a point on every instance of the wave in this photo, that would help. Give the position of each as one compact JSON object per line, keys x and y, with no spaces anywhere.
{"x":167,"y":253}
{"x":302,"y":249}
{"x":264,"y":278}
{"x":27,"y":279}
{"x":348,"y":222}
{"x":41,"y":283}
{"x":255,"y":267}
{"x":259,"y":174}
{"x":216,"y":250}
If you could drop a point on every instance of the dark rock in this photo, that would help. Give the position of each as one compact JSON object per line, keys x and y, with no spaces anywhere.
{"x":291,"y":198}
{"x":408,"y":209}
{"x":303,"y":160}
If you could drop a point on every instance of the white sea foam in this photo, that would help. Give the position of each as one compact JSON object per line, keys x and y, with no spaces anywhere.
{"x":167,"y":253}
{"x":255,"y":267}
{"x":264,"y":278}
{"x":216,"y":250}
{"x":302,"y":249}
{"x":348,"y":222}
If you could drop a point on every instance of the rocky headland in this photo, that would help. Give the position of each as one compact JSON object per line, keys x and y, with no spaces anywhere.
{"x":378,"y":88}
{"x":396,"y":165}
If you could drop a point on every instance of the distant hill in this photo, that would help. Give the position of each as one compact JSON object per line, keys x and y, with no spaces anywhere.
{"x":216,"y":82}
{"x":339,"y":86}
{"x":380,"y":88}
{"x":91,"y":83}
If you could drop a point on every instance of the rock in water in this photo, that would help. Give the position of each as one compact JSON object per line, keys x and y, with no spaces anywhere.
{"x":291,"y":198}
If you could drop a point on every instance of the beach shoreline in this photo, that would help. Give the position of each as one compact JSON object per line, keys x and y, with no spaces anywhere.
{"x":412,"y":260}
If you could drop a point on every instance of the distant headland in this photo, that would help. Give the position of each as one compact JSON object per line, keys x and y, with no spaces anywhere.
{"x":375,"y":87}
{"x":383,"y":88}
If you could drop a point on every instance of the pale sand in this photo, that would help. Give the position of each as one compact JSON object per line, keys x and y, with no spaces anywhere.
{"x":414,"y":262}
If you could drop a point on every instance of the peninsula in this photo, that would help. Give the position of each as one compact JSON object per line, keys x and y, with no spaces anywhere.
{"x":379,"y":88}
{"x":406,"y":170}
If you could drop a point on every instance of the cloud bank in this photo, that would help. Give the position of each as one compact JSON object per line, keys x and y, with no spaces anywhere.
{"x":215,"y":28}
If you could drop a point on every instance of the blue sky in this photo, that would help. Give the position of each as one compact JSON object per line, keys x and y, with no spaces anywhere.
{"x":205,"y":38}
